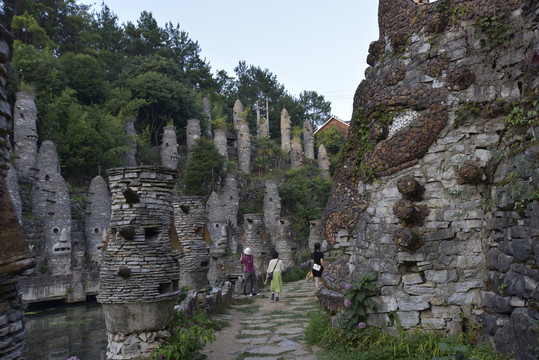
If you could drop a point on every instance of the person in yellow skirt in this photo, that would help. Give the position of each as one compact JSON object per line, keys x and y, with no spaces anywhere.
{"x":275,"y":268}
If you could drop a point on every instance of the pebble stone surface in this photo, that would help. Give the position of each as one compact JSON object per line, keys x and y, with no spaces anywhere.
{"x":275,"y":331}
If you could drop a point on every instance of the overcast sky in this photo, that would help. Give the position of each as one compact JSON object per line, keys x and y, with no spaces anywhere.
{"x":307,"y":44}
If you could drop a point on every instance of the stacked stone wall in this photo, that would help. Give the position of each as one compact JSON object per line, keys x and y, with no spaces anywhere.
{"x":256,"y":239}
{"x":443,"y":226}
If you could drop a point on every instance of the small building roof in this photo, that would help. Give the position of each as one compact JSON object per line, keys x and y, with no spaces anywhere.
{"x":334,"y":120}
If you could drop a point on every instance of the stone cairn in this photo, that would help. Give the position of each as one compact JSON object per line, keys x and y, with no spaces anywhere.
{"x":51,"y":203}
{"x":296,"y":154}
{"x":193,"y":134}
{"x":217,"y":227}
{"x":139,"y":273}
{"x":323,"y":160}
{"x":206,"y":109}
{"x":244,"y":147}
{"x":25,"y":135}
{"x":285,"y":242}
{"x":230,"y":198}
{"x":237,"y":114}
{"x":308,"y":139}
{"x":129,"y":155}
{"x":272,"y":207}
{"x":255,"y":238}
{"x":98,"y":220}
{"x":190,"y":220}
{"x":286,"y":129}
{"x":169,"y":148}
{"x":14,"y":254}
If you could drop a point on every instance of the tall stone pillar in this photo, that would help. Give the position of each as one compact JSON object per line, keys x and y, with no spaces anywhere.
{"x":218,"y":229}
{"x":190,"y":219}
{"x":15,"y":257}
{"x":286,"y":129}
{"x":220,"y":142}
{"x":51,"y":203}
{"x":169,"y":148}
{"x":98,"y":219}
{"x":230,"y":197}
{"x":262,"y":128}
{"x":323,"y":160}
{"x":315,"y":233}
{"x":129,"y":155}
{"x":244,"y":147}
{"x":25,"y":135}
{"x":193,"y":134}
{"x":255,"y":238}
{"x":237,"y":114}
{"x":272,"y":207}
{"x":206,"y":109}
{"x":285,"y":242}
{"x":308,"y":139}
{"x":296,"y":154}
{"x":139,"y":277}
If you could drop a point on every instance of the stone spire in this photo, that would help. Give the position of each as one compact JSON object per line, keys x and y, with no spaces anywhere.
{"x":237,"y":114}
{"x":255,"y":238}
{"x":169,"y":148}
{"x":285,"y":242}
{"x":206,"y":109}
{"x":296,"y":154}
{"x":217,"y":227}
{"x":244,"y":147}
{"x":285,"y":130}
{"x":323,"y":160}
{"x":315,"y":233}
{"x":272,"y":207}
{"x":25,"y":134}
{"x":308,"y":139}
{"x":98,"y":218}
{"x":129,"y":155}
{"x":193,"y":134}
{"x":230,"y":198}
{"x":262,"y":128}
{"x":139,"y":277}
{"x":220,"y":142}
{"x":190,"y":219}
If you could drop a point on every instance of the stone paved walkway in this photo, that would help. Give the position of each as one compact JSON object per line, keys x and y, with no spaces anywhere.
{"x":267,"y":329}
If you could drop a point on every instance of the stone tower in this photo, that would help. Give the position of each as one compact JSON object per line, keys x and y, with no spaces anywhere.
{"x":129,"y":155}
{"x":217,"y":227}
{"x":296,"y":154}
{"x":272,"y":207}
{"x":308,"y":139}
{"x":323,"y":160}
{"x":15,"y":257}
{"x":139,"y":277}
{"x":220,"y":142}
{"x":25,"y":135}
{"x":286,"y":128}
{"x":230,"y":198}
{"x":190,"y":219}
{"x":255,"y":238}
{"x":285,"y":242}
{"x":206,"y":109}
{"x":237,"y":114}
{"x":98,"y":218}
{"x":244,"y":147}
{"x":262,"y":128}
{"x":193,"y":134}
{"x":169,"y":148}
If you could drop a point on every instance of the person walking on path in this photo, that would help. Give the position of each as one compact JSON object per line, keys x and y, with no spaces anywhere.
{"x":317,"y":264}
{"x":251,"y":283}
{"x":275,"y":269}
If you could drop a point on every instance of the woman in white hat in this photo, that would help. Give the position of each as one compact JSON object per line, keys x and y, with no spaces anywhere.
{"x":251,"y":283}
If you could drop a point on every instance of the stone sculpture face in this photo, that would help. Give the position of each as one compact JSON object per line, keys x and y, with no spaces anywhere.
{"x":62,"y":246}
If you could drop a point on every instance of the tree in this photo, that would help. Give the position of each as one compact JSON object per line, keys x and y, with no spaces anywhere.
{"x":333,"y":141}
{"x":317,"y":109}
{"x":86,"y":76}
{"x":146,"y":38}
{"x":204,"y":168}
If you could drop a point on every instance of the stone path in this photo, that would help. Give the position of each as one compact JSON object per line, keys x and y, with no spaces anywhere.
{"x":267,"y":329}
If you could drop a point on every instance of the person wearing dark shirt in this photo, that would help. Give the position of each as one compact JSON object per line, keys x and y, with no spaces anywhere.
{"x":317,"y":264}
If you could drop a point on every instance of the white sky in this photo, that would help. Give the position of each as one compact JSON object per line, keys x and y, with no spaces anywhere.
{"x":319,"y":45}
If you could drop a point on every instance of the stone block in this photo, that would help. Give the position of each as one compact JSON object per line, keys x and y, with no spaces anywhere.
{"x":410,"y":279}
{"x":439,"y":235}
{"x":408,"y":257}
{"x":465,"y":286}
{"x":441,"y":276}
{"x":423,"y":289}
{"x":471,"y":297}
{"x":413,"y":303}
{"x":384,"y":304}
{"x":504,"y":262}
{"x":495,"y":303}
{"x":433,"y":324}
{"x":388,"y":279}
{"x":446,"y":312}
{"x":377,"y":319}
{"x":522,"y":249}
{"x":408,"y":319}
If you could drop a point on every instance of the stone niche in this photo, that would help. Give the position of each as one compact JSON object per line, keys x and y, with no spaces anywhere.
{"x":139,"y":277}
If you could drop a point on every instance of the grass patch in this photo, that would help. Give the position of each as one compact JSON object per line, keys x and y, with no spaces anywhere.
{"x":248,"y":309}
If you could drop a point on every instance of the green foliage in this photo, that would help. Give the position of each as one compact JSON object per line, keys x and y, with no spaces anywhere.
{"x":525,"y":112}
{"x":497,"y":30}
{"x":316,"y":108}
{"x":467,"y":109}
{"x":297,"y":131}
{"x":304,"y":194}
{"x":319,"y":328}
{"x":268,"y":155}
{"x":357,"y":301}
{"x":189,"y":334}
{"x":204,"y":168}
{"x":295,"y":273}
{"x":333,"y":141}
